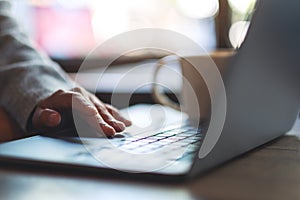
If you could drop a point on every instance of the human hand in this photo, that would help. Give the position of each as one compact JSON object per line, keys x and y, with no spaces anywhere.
{"x":103,"y":117}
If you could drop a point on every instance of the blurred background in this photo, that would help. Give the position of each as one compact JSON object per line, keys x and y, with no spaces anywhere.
{"x":70,"y":29}
{"x":67,"y":30}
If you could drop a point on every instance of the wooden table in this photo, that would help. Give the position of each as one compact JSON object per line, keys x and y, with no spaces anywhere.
{"x":269,"y":172}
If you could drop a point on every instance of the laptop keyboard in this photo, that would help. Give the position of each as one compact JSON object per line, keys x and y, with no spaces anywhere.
{"x":184,"y":137}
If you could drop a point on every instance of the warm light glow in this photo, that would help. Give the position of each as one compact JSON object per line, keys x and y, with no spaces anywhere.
{"x":242,"y":6}
{"x":40,"y":3}
{"x":198,"y":8}
{"x":73,"y":4}
{"x":83,"y":24}
{"x":238,"y":32}
{"x":109,"y":19}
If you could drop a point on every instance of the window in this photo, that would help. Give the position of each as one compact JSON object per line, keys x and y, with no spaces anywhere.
{"x":69,"y":29}
{"x":242,"y":11}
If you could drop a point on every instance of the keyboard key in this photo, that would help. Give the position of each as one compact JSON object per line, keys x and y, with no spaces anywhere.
{"x":184,"y":139}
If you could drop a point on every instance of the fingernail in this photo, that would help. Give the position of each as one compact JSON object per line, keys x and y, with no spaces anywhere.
{"x":128,"y":122}
{"x":53,"y":118}
{"x":108,"y":130}
{"x":119,"y":126}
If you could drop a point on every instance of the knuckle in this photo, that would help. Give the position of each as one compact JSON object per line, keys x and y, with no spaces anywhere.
{"x":68,"y":95}
{"x":75,"y":95}
{"x":57,"y":93}
{"x":60,"y":91}
{"x":101,"y":108}
{"x":92,"y":110}
{"x":112,"y":108}
{"x":106,"y":115}
{"x":77,"y":89}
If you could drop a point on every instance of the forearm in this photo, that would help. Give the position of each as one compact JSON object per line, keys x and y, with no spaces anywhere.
{"x":26,"y":76}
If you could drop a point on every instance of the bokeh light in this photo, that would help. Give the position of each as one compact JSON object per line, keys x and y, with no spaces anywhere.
{"x":109,"y":18}
{"x":242,"y":6}
{"x":237,"y":33}
{"x":198,"y":8}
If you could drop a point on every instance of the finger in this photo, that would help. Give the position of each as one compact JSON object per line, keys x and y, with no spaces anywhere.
{"x":101,"y":109}
{"x":92,"y":116}
{"x":117,"y":125}
{"x":100,"y":125}
{"x":83,"y":105}
{"x":116,"y":114}
{"x":45,"y":118}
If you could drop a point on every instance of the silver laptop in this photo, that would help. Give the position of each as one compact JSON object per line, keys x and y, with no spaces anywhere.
{"x":262,"y":86}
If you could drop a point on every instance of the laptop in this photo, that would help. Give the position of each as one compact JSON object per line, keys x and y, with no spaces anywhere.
{"x":262,"y":87}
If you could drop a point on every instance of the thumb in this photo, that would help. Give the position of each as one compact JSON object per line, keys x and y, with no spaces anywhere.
{"x":46,"y":118}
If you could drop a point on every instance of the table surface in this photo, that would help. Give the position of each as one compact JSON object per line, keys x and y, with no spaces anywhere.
{"x":269,"y":172}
